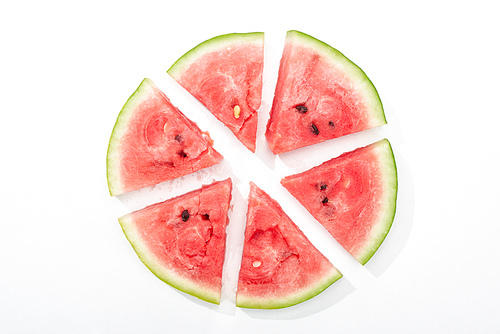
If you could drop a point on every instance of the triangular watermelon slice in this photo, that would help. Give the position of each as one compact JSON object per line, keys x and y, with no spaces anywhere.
{"x":353,"y":196}
{"x":320,"y":95}
{"x":153,"y":142}
{"x":280,"y":267}
{"x":182,"y":240}
{"x":225,"y":74}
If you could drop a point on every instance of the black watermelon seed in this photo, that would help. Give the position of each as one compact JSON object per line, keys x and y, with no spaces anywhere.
{"x":185,"y":215}
{"x":182,"y":154}
{"x":178,"y":138}
{"x":205,"y":216}
{"x":301,"y":109}
{"x":322,"y":186}
{"x":331,"y":124}
{"x":314,"y":129}
{"x":325,"y":200}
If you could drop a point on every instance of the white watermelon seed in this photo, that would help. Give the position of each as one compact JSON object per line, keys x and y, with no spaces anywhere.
{"x":237,"y":111}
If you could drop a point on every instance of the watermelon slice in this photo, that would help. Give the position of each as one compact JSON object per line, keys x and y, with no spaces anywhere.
{"x":225,"y":74}
{"x":153,"y":142}
{"x":353,"y":196}
{"x":280,"y":267}
{"x":320,"y":95}
{"x":182,"y":240}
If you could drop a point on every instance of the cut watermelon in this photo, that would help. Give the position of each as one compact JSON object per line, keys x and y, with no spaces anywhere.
{"x":280,"y":267}
{"x":153,"y":142}
{"x":353,"y":196}
{"x":320,"y":95}
{"x":225,"y":74}
{"x":182,"y":240}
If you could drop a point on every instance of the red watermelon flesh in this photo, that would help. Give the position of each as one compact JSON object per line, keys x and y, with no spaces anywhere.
{"x":225,"y":74}
{"x":153,"y":142}
{"x":353,"y":196}
{"x":280,"y":267}
{"x":182,"y":240}
{"x":320,"y":95}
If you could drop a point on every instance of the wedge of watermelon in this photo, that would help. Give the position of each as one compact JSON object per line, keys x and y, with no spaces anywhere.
{"x":280,"y":267}
{"x":353,"y":196}
{"x":225,"y":74}
{"x":182,"y":240}
{"x":153,"y":142}
{"x":320,"y":95}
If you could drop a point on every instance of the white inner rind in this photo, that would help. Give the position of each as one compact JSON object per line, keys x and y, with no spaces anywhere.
{"x":300,"y":296}
{"x":354,"y":72}
{"x":159,"y":269}
{"x":211,"y":45}
{"x":390,"y":185}
{"x":121,"y":125}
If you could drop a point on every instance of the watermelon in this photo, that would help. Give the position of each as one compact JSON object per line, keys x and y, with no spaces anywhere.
{"x":353,"y":196}
{"x":225,"y":74}
{"x":153,"y":142}
{"x":182,"y":240}
{"x":279,"y":267}
{"x":319,"y":95}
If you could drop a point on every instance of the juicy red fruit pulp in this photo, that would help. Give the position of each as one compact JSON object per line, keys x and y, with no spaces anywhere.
{"x":351,"y":195}
{"x":317,"y":96}
{"x":160,"y":143}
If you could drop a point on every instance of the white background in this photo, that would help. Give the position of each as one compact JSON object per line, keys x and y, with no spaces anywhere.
{"x":66,"y":70}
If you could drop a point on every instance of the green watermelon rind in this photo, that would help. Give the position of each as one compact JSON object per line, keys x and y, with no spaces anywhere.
{"x":167,"y":276}
{"x":210,"y":45}
{"x":297,"y":298}
{"x":389,"y":171}
{"x":288,"y":296}
{"x":119,"y":130}
{"x":355,"y":73}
